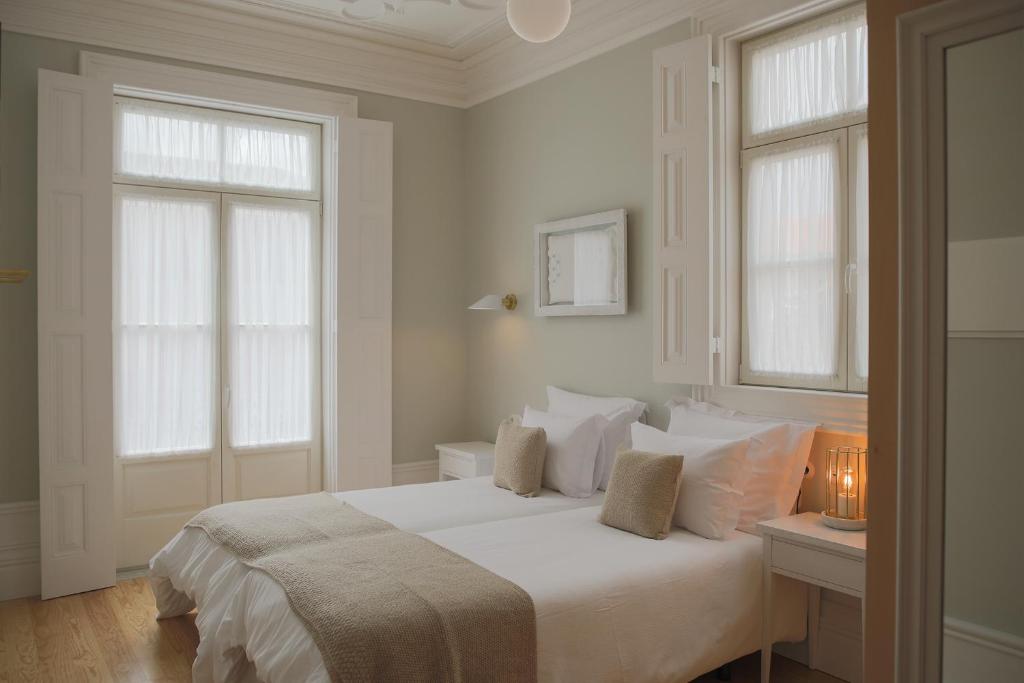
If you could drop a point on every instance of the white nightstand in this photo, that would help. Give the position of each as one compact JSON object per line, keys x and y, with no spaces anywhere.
{"x":464,"y":460}
{"x":803,"y":548}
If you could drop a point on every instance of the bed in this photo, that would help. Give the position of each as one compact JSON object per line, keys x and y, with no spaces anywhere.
{"x":193,"y":571}
{"x":610,"y":606}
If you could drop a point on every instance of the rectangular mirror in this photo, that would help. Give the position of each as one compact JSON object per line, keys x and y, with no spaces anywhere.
{"x":580,"y":265}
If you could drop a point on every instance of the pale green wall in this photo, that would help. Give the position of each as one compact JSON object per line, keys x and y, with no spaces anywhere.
{"x":572,"y":144}
{"x":429,"y":344}
{"x":985,"y":377}
{"x":470,"y":185}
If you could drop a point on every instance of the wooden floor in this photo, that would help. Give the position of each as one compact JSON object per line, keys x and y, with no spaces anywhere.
{"x":113,"y":635}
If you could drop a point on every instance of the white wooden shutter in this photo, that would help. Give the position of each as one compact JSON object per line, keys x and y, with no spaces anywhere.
{"x":76,"y":406}
{"x":364,"y":304}
{"x":682,"y":211}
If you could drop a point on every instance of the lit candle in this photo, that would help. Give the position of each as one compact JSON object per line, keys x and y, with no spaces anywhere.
{"x":846,"y":504}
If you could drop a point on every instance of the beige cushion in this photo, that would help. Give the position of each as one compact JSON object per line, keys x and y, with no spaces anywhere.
{"x":519,"y":454}
{"x":642,"y":493}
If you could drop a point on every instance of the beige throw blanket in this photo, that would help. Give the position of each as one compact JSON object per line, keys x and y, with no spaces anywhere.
{"x":382,"y":604}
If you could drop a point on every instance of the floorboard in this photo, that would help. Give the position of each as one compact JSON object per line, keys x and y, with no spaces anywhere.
{"x":113,"y":635}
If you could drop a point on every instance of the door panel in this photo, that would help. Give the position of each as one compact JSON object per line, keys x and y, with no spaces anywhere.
{"x":157,"y":496}
{"x":167,"y":466}
{"x":271,"y":346}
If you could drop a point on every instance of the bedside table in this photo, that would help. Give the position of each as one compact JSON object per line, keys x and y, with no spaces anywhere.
{"x":803,"y":548}
{"x":464,"y":460}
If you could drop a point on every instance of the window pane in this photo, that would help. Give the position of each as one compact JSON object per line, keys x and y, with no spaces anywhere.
{"x":168,"y":143}
{"x":860,"y":200}
{"x":790,"y":245}
{"x":264,"y":155}
{"x":270,"y":300}
{"x":166,"y":353}
{"x":206,"y":147}
{"x":816,"y":73}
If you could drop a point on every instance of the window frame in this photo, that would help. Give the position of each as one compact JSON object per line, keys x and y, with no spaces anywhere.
{"x":748,"y":47}
{"x":855,"y":383}
{"x":832,"y":410}
{"x":838,"y":381}
{"x":222,"y":196}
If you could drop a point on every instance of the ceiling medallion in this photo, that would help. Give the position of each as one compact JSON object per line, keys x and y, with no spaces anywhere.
{"x":536,"y":21}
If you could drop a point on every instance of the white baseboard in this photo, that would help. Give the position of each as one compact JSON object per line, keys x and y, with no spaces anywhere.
{"x":420,"y":472}
{"x":971,"y":652}
{"x":19,"y":549}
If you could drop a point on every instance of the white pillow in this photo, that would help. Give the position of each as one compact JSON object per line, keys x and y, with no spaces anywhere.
{"x":573,"y":444}
{"x":621,"y":412}
{"x":778,"y":453}
{"x":565,"y":402}
{"x":714,"y":471}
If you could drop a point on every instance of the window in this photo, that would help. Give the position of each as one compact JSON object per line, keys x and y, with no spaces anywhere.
{"x":217,"y":295}
{"x":804,"y":206}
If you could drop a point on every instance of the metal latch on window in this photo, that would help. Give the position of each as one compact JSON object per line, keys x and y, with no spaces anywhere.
{"x":716,"y":345}
{"x":715,"y":74}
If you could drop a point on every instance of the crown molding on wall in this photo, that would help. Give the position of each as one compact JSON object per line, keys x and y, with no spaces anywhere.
{"x":489,"y":64}
{"x":211,"y":36}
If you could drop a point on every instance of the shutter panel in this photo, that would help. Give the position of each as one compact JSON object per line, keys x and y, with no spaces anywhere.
{"x":682,"y":210}
{"x":364,"y":304}
{"x":76,"y":377}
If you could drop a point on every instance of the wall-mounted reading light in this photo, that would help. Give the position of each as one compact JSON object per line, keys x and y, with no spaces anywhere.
{"x":493,"y":302}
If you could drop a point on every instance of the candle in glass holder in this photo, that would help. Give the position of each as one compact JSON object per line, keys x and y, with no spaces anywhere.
{"x":846,"y":500}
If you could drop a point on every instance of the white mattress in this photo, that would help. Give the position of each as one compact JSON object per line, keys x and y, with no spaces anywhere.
{"x":610,"y":606}
{"x":193,"y":571}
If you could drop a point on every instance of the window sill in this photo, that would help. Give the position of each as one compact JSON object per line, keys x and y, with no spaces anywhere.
{"x":832,"y":410}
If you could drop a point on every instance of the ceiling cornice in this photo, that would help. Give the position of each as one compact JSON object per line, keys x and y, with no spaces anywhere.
{"x":490,"y":64}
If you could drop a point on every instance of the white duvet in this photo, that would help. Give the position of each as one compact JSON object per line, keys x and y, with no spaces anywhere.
{"x":193,"y":571}
{"x":610,"y":606}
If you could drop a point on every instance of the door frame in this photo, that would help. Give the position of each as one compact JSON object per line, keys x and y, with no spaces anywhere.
{"x":922,"y":38}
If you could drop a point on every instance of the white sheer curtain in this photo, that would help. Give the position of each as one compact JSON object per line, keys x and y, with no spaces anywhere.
{"x":166,"y":340}
{"x":791,"y":271}
{"x":270,"y":303}
{"x":860,"y":199}
{"x":205,"y":147}
{"x":819,"y":71}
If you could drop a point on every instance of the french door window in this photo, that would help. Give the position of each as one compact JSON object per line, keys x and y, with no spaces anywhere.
{"x":217,"y":233}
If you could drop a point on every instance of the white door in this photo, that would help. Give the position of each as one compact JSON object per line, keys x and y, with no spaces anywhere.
{"x":75,"y":374}
{"x":271,"y":347}
{"x":167,"y":465}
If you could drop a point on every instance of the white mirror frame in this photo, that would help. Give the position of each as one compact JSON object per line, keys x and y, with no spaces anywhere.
{"x":616,"y":220}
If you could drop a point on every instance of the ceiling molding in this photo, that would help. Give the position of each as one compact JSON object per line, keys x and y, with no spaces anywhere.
{"x":491,"y":62}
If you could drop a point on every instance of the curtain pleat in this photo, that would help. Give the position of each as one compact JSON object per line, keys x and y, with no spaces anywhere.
{"x":816,"y":74}
{"x":191,"y":145}
{"x":166,"y":354}
{"x":270,"y":335}
{"x":790,"y":238}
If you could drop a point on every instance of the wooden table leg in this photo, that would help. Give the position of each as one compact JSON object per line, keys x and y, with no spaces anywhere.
{"x":766,"y":613}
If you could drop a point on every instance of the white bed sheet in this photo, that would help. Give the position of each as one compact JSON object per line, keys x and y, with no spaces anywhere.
{"x":610,"y":606}
{"x":193,"y":571}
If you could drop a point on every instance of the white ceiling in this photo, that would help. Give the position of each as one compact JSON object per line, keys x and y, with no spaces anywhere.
{"x":438,"y":51}
{"x":451,"y":28}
